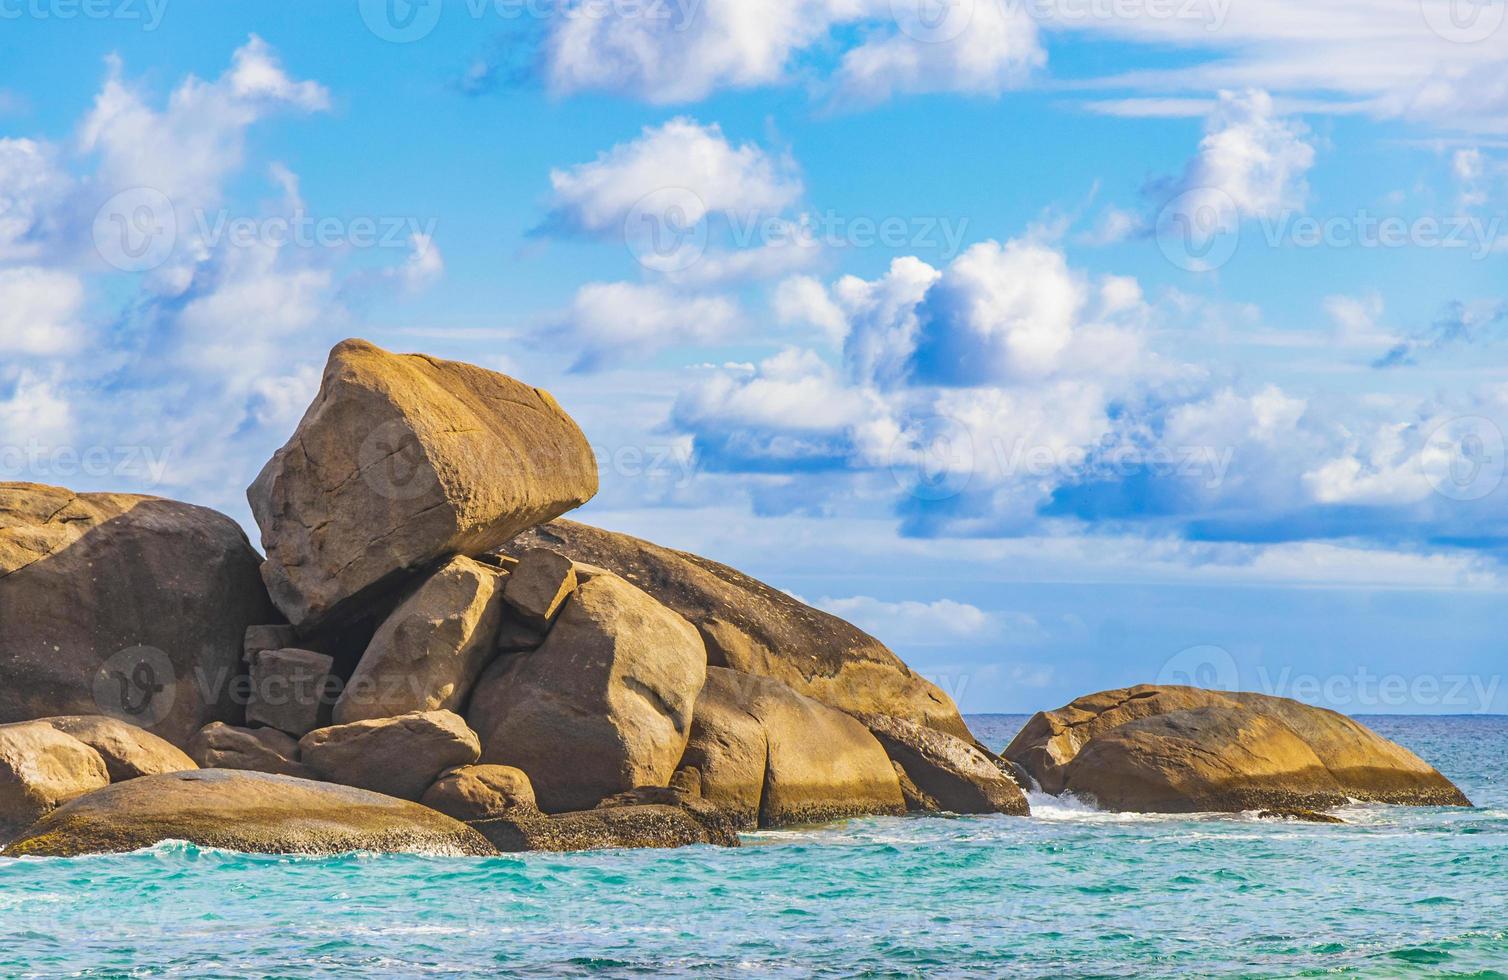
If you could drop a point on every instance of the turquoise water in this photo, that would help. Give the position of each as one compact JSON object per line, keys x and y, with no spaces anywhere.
{"x":1071,"y":892}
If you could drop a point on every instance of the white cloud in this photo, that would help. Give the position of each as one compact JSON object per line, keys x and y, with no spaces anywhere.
{"x":911,"y":622}
{"x":33,"y":187}
{"x":1255,"y":158}
{"x":612,"y":320}
{"x":681,"y":155}
{"x":685,"y":52}
{"x":186,"y":150}
{"x":994,"y":50}
{"x":37,"y":412}
{"x":39,"y":311}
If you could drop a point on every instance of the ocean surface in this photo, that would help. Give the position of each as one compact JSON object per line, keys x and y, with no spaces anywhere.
{"x":1071,"y":892}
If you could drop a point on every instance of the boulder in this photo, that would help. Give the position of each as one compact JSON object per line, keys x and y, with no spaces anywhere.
{"x":402,"y":461}
{"x":400,"y":756}
{"x":261,"y":638}
{"x":1299,"y":816}
{"x":221,"y":746}
{"x":244,"y":811}
{"x":916,"y":800}
{"x":538,"y":586}
{"x":289,"y":690}
{"x":756,"y":629}
{"x":480,"y":792}
{"x":602,"y":706}
{"x":429,"y":653}
{"x":128,"y":751}
{"x":650,"y":825}
{"x":772,"y":757}
{"x":952,"y":773}
{"x":515,"y":637}
{"x":1181,"y":749}
{"x":135,"y":607}
{"x":40,"y":768}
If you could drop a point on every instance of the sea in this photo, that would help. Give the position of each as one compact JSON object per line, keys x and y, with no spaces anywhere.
{"x":1071,"y":892}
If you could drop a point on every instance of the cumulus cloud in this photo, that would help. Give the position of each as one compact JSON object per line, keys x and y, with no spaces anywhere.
{"x":609,"y":322}
{"x":685,"y":52}
{"x":599,"y":197}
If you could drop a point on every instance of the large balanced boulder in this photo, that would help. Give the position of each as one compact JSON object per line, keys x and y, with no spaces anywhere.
{"x":756,"y":629}
{"x":222,"y":746}
{"x":130,"y":606}
{"x":771,"y":757}
{"x":954,"y":775}
{"x":404,"y":460}
{"x":244,"y":811}
{"x":128,"y":751}
{"x":40,"y":768}
{"x":427,"y":655}
{"x":399,"y":757}
{"x":1180,"y":749}
{"x":602,"y":706}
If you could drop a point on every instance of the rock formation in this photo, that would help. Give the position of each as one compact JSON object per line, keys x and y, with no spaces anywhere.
{"x":751,"y":627}
{"x":402,"y":461}
{"x":954,"y":775}
{"x":266,"y":750}
{"x":429,"y":653}
{"x":400,"y":756}
{"x":602,"y":706}
{"x":40,"y":768}
{"x":244,"y":811}
{"x":127,"y":751}
{"x":772,"y":757}
{"x":131,"y":606}
{"x":1182,"y":749}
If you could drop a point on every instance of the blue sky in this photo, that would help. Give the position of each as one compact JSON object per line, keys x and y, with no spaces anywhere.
{"x":1063,"y":344}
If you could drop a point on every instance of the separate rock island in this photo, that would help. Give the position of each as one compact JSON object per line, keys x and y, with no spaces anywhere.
{"x":430,"y":660}
{"x":1154,"y":749}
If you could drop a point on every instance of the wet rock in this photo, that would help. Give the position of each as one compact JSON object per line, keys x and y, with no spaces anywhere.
{"x":954,"y":774}
{"x":244,"y":811}
{"x":659,"y":826}
{"x":1181,"y":749}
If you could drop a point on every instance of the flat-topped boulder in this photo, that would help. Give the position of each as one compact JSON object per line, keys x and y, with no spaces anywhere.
{"x":128,"y":752}
{"x":403,"y":461}
{"x":753,"y":628}
{"x":125,"y":605}
{"x":1181,"y":749}
{"x":771,"y":757}
{"x":605,"y":703}
{"x":244,"y":811}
